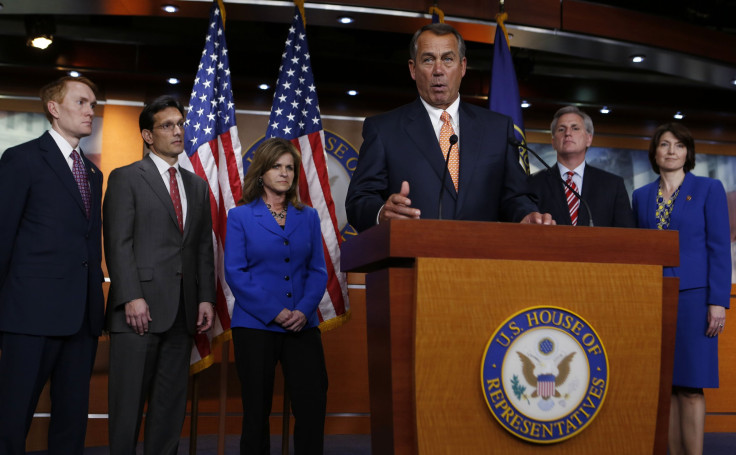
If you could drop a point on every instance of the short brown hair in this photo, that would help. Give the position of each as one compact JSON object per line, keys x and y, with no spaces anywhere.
{"x":683,"y":135}
{"x":55,"y":91}
{"x":264,"y":158}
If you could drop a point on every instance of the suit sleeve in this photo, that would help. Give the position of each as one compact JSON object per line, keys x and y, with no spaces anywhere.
{"x":718,"y":245}
{"x":118,"y":226}
{"x":15,"y":182}
{"x":623,"y":216}
{"x":250,"y":296}
{"x":316,"y":281}
{"x":369,"y":186}
{"x":517,"y":200}
{"x":206,"y":254}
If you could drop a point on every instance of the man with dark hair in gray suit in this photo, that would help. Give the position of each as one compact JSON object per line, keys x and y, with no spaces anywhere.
{"x":158,"y":247}
{"x":605,"y":193}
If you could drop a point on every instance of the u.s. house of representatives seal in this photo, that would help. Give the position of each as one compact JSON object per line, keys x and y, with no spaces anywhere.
{"x":545,"y":374}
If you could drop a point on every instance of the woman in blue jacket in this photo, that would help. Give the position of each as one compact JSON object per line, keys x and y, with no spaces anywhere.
{"x":275,"y":267}
{"x":697,"y":208}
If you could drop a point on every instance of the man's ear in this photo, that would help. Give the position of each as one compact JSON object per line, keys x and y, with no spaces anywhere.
{"x":53,"y":108}
{"x":147,"y":136}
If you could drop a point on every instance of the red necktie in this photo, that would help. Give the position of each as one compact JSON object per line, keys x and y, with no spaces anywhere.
{"x":573,"y":203}
{"x":80,"y":175}
{"x":175,"y":198}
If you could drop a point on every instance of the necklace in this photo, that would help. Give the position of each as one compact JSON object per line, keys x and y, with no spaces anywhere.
{"x":277,"y":216}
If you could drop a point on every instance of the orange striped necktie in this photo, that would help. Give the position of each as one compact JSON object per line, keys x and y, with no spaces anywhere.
{"x":454,"y":165}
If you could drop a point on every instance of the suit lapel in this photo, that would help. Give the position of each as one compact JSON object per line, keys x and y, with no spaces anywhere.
{"x":95,"y":188}
{"x":266,"y":220}
{"x":651,"y":203}
{"x":150,"y":174}
{"x":471,"y":147}
{"x":419,"y":129}
{"x":193,"y":207}
{"x":52,"y":155}
{"x":682,"y":203}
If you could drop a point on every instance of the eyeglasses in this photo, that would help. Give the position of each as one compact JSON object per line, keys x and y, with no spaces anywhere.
{"x":169,"y":127}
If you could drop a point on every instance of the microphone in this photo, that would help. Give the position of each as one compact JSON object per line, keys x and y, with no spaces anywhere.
{"x":517,"y":143}
{"x":453,"y":141}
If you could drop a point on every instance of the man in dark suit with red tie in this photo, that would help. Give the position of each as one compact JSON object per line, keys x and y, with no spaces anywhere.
{"x":158,"y":248}
{"x":605,"y":193}
{"x":51,"y":300}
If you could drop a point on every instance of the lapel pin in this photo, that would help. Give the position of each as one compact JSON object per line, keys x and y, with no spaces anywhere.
{"x":688,"y":198}
{"x":93,"y":171}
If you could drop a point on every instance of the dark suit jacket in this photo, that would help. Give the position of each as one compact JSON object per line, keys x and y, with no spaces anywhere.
{"x":50,"y":252}
{"x":605,"y":193}
{"x":701,"y":215}
{"x":402,"y":145}
{"x":147,"y":256}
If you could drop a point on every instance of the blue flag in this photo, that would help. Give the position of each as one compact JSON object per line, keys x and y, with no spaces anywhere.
{"x":504,"y":96}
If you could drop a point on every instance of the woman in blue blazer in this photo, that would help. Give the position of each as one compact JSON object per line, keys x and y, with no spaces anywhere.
{"x":275,"y":267}
{"x":697,"y":208}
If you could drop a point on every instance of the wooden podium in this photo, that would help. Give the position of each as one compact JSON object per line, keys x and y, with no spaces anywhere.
{"x":437,"y":290}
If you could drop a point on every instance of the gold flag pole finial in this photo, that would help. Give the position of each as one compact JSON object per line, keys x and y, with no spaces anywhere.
{"x":222,"y":11}
{"x":300,"y":5}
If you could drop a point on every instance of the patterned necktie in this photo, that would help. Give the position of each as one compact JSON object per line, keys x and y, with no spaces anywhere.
{"x":454,"y":165}
{"x":80,"y":175}
{"x":573,"y":203}
{"x":175,"y":198}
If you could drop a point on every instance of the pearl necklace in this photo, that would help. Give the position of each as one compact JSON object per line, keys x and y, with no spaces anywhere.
{"x":277,"y":216}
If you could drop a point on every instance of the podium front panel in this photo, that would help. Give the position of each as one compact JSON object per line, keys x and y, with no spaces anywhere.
{"x":461,"y":302}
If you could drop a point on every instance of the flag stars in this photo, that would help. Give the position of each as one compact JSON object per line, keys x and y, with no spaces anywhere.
{"x":206,"y":84}
{"x":295,"y":60}
{"x":282,"y":98}
{"x":290,"y":73}
{"x":221,"y":99}
{"x":308,"y":100}
{"x":211,"y":117}
{"x":294,"y":104}
{"x":287,"y":130}
{"x":274,"y":125}
{"x":312,"y":88}
{"x":203,"y":98}
{"x":278,"y":111}
{"x":210,"y":70}
{"x":290,"y":117}
{"x":207,"y":130}
{"x":286,"y":85}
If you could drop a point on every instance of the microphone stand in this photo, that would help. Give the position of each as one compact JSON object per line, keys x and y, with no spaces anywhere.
{"x":453,"y":141}
{"x":577,"y":195}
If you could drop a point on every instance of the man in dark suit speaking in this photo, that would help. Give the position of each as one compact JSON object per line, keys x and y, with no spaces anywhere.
{"x":158,"y":248}
{"x":51,"y":301}
{"x":605,"y":193}
{"x":401,"y":167}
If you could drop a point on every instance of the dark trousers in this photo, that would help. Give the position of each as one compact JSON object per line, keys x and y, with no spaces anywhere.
{"x":303,"y":363}
{"x":26,"y":363}
{"x":153,"y":366}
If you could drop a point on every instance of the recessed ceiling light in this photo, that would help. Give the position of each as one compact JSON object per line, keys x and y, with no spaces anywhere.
{"x":170,"y":8}
{"x":605,"y":110}
{"x":264,"y":87}
{"x":733,"y":82}
{"x":352,"y":92}
{"x":73,"y":73}
{"x":172,"y":80}
{"x":525,"y":104}
{"x":345,"y":20}
{"x":638,"y":58}
{"x":41,"y":42}
{"x":679,"y":115}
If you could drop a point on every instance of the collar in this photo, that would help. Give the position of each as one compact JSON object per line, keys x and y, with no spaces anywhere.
{"x":161,"y":165}
{"x":64,"y":146}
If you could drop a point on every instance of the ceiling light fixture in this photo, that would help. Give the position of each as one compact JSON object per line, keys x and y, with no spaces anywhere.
{"x":679,"y":115}
{"x":170,"y":8}
{"x":173,"y":80}
{"x":264,"y":87}
{"x":638,"y":58}
{"x":345,"y":20}
{"x":733,"y":81}
{"x":352,"y":92}
{"x":40,"y":31}
{"x":605,"y":110}
{"x":73,"y":73}
{"x":525,"y":104}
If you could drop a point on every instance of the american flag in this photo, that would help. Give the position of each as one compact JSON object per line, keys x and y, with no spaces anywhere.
{"x":213,"y":152}
{"x":295,"y":116}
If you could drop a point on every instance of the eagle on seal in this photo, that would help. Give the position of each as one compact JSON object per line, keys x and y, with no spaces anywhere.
{"x":545,"y":376}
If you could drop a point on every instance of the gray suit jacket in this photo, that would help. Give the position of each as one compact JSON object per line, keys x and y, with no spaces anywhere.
{"x":146,"y":255}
